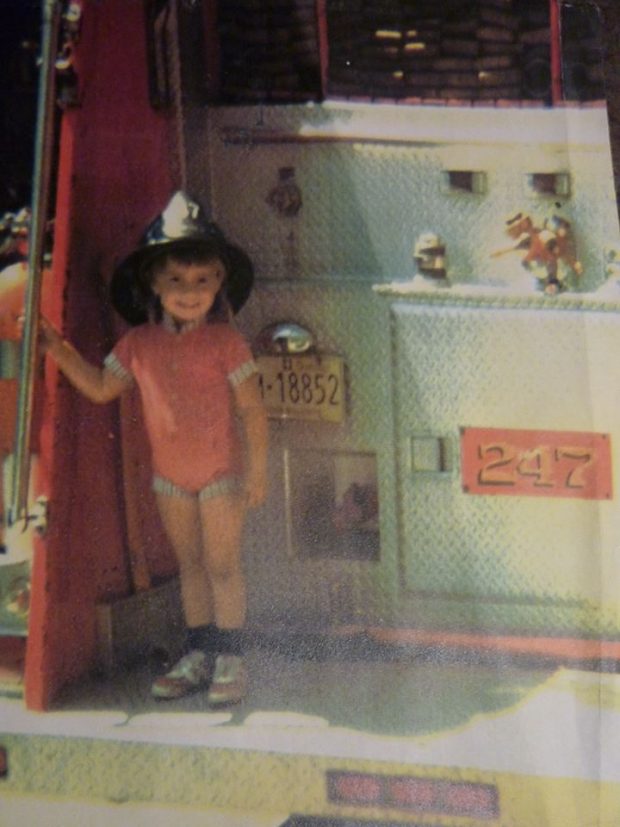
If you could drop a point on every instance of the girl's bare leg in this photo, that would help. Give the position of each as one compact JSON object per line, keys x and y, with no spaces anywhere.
{"x":181,"y":519}
{"x":222,"y":524}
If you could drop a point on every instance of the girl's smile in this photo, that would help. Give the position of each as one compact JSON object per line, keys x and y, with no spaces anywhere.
{"x":187,"y":291}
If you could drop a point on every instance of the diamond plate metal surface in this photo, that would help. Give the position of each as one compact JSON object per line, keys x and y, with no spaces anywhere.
{"x":367,"y":194}
{"x":346,"y":319}
{"x":366,"y":202}
{"x":511,"y":369}
{"x":121,"y":771}
{"x":237,"y":780}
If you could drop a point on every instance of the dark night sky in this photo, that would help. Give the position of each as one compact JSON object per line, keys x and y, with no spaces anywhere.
{"x":18,"y":88}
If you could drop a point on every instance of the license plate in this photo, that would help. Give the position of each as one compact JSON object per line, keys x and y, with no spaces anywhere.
{"x":308,"y":387}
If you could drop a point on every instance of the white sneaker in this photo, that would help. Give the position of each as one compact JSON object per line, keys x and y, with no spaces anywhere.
{"x":230,"y":681}
{"x":190,"y":673}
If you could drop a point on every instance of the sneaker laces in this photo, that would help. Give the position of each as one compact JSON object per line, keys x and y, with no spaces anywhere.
{"x":190,"y":666}
{"x":227,"y":668}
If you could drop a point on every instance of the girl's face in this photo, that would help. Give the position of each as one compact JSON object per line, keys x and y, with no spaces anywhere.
{"x":187,"y":291}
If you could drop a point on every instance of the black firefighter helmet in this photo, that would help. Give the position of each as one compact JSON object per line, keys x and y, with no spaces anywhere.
{"x":182,"y":226}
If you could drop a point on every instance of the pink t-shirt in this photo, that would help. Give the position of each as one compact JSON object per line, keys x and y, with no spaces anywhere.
{"x":186,"y":382}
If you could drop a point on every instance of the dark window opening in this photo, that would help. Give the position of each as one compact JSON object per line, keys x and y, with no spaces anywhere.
{"x":287,"y":51}
{"x":269,"y":51}
{"x":335,"y":505}
{"x":582,"y":52}
{"x":465,"y":181}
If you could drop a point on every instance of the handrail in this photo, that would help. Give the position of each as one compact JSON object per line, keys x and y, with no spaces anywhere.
{"x":40,"y":196}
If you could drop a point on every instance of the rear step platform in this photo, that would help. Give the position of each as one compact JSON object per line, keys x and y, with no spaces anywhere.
{"x":330,"y":740}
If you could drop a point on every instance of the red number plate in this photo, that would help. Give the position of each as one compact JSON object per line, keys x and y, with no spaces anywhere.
{"x":536,"y":463}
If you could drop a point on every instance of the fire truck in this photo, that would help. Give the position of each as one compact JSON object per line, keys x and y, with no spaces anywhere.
{"x":427,"y":198}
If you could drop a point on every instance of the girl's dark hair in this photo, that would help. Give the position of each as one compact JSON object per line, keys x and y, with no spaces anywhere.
{"x":188,"y":252}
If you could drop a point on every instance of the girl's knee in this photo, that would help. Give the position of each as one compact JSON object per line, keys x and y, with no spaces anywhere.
{"x":222,"y":568}
{"x":190,"y":566}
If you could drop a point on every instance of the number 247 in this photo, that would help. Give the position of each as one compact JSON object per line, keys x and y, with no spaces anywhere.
{"x":505,"y":464}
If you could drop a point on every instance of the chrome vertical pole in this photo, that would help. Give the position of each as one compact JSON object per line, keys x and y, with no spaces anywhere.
{"x":44,"y":137}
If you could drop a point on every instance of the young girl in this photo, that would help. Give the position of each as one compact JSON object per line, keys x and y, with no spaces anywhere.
{"x":202,"y":408}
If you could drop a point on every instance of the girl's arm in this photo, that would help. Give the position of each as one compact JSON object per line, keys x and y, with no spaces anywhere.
{"x":249,"y":405}
{"x":97,"y":384}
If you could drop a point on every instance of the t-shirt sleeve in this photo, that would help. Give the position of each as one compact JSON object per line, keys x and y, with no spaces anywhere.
{"x":238,"y":358}
{"x":119,"y":360}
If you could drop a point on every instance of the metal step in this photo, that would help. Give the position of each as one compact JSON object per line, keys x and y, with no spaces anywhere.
{"x":18,"y":810}
{"x":337,"y":742}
